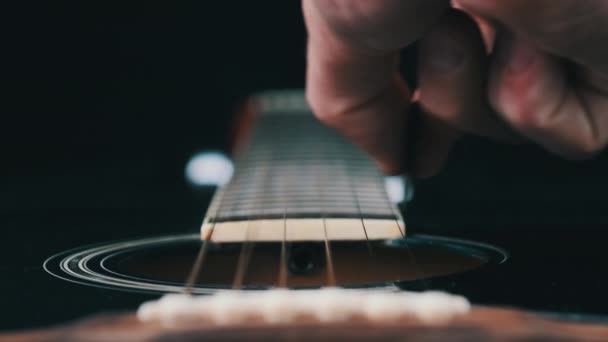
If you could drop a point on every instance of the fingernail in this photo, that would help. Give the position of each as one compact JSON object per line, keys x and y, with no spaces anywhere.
{"x":516,"y":55}
{"x":445,"y":55}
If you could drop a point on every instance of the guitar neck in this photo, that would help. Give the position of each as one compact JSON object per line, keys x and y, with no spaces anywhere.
{"x":297,"y":180}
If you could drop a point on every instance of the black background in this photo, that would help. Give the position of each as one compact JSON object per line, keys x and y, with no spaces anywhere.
{"x":104,"y":103}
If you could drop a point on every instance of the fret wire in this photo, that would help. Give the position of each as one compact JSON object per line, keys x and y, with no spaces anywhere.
{"x":307,"y":206}
{"x":305,"y":194}
{"x":254,"y":200}
{"x":371,"y":193}
{"x":305,"y":212}
{"x":270,"y":196}
{"x":303,"y":148}
{"x":336,"y":192}
{"x":333,"y":202}
{"x":303,"y":215}
{"x":292,"y":207}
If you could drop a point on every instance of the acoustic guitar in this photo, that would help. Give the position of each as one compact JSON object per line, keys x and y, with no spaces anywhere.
{"x":306,"y":210}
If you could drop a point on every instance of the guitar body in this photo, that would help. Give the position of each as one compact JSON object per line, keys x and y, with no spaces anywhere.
{"x":283,"y":223}
{"x":481,"y":324}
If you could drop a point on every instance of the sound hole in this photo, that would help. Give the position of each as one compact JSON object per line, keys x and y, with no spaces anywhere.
{"x":355,"y":263}
{"x":304,"y":258}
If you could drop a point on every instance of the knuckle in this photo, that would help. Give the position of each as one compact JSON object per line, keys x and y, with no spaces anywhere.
{"x":523,"y":118}
{"x":522,"y":106}
{"x":320,"y":108}
{"x":576,"y":143}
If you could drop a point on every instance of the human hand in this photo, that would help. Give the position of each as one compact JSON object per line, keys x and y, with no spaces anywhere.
{"x":546,"y":79}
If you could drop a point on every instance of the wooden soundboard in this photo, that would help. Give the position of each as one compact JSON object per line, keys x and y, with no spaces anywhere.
{"x":482,"y":324}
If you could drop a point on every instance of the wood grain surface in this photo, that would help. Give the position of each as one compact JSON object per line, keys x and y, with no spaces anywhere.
{"x":482,"y":324}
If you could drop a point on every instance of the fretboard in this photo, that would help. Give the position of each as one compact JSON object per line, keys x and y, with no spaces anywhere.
{"x":291,"y":170}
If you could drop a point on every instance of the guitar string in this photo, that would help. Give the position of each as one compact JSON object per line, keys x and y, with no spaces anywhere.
{"x":196,"y":267}
{"x":282,"y":282}
{"x":250,"y":234}
{"x":413,"y":122}
{"x":331,"y":274}
{"x":247,"y":248}
{"x":410,"y":253}
{"x":244,"y":258}
{"x":203,"y":249}
{"x":355,"y":194}
{"x":283,"y":272}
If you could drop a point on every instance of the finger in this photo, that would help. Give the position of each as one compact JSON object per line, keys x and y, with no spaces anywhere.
{"x":381,"y":25}
{"x":561,"y":108}
{"x":353,"y":83}
{"x":488,"y":31}
{"x":453,"y":77}
{"x":529,"y":88}
{"x":573,"y":29}
{"x":431,"y":144}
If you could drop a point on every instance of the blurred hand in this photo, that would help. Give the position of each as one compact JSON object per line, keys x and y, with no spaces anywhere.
{"x":545,"y":80}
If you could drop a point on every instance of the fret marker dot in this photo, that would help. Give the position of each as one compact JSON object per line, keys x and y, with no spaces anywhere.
{"x":209,"y":169}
